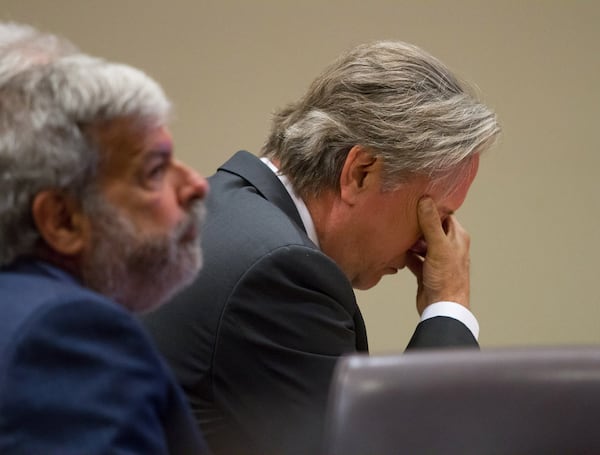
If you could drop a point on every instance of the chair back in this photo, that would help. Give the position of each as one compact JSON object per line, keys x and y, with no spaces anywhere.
{"x":461,"y":402}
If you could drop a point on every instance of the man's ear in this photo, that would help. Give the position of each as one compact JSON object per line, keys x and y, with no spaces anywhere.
{"x":357,"y":173}
{"x":60,"y":221}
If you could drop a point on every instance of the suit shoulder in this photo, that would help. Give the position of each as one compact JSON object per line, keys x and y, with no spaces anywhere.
{"x":238,"y":211}
{"x":249,"y":218}
{"x":50,"y":314}
{"x":73,"y":332}
{"x":29,"y":300}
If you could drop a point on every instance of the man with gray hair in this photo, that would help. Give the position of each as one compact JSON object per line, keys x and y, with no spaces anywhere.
{"x":98,"y":221}
{"x":359,"y":178}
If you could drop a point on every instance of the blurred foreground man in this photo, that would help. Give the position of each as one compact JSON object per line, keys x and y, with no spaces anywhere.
{"x":358,"y":179}
{"x":97,"y":221}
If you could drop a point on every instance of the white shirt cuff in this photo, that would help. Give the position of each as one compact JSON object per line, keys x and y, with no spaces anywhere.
{"x":455,"y":311}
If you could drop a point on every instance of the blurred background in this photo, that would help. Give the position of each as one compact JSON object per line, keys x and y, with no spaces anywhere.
{"x":535,"y":205}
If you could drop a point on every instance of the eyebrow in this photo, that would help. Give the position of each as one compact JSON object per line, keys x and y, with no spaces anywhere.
{"x":161,"y":151}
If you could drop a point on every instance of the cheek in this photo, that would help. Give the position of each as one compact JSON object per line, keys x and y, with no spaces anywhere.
{"x":397,"y":238}
{"x":166,"y":212}
{"x":408,"y":232}
{"x":394,"y":225}
{"x":156,"y":214}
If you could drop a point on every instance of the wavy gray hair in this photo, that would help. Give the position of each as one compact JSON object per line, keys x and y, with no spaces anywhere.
{"x":22,"y":46}
{"x":390,"y":97}
{"x":48,"y":112}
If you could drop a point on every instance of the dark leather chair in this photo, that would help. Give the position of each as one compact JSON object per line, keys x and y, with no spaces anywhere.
{"x":501,"y":401}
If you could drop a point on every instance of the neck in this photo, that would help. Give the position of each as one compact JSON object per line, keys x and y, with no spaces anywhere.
{"x":69,"y":264}
{"x":275,"y":162}
{"x":326,"y":213}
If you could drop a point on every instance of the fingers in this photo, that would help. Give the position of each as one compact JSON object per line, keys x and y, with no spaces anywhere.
{"x":415,"y":264}
{"x":429,"y":221}
{"x":434,"y":231}
{"x":443,"y":273}
{"x":456,"y":233}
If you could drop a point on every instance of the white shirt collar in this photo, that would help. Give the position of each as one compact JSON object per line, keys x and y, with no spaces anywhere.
{"x":307,"y":220}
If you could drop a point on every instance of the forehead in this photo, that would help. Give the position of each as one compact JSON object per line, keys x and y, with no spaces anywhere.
{"x":451,"y":190}
{"x":448,"y":190}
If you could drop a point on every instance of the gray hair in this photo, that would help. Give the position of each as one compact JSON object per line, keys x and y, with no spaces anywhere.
{"x":48,"y":115}
{"x":22,"y":46}
{"x":390,"y":97}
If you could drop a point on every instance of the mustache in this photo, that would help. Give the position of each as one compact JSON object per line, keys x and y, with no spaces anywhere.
{"x":192,"y":221}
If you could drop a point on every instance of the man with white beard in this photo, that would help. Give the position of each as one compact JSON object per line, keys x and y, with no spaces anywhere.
{"x":98,"y":221}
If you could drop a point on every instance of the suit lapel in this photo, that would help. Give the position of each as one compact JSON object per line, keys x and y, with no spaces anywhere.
{"x":255,"y":172}
{"x":362,"y":344}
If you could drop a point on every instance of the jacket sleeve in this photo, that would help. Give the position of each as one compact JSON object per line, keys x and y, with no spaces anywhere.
{"x":442,"y":332}
{"x":288,"y":320}
{"x":82,"y":378}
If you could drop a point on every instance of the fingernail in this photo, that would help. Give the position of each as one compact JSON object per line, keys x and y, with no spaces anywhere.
{"x":426,"y":204}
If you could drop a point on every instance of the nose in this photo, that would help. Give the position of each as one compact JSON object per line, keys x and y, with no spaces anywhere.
{"x":193,"y":186}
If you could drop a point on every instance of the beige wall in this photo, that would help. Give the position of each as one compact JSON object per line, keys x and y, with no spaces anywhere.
{"x":534,"y":208}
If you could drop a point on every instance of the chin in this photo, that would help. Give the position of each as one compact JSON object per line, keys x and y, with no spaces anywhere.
{"x":363,"y":284}
{"x":158,"y":292}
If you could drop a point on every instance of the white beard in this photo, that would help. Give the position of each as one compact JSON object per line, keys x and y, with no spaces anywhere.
{"x":140,"y":272}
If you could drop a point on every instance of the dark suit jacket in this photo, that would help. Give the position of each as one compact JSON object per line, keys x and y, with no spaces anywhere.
{"x":255,"y":339}
{"x":79,"y":375}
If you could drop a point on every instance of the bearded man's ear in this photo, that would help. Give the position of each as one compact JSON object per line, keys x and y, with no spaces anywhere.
{"x":60,"y":221}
